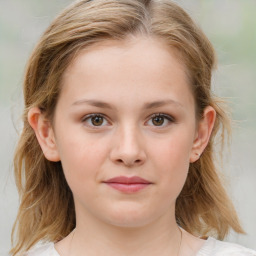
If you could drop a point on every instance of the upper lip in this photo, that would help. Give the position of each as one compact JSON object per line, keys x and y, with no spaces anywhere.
{"x":128,"y":180}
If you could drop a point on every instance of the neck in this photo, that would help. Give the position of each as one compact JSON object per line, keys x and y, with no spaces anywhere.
{"x":161,"y":237}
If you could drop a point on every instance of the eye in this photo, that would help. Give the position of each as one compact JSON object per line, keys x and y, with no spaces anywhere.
{"x":161,"y":120}
{"x":95,"y":120}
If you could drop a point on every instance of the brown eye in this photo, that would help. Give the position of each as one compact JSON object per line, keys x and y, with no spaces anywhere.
{"x":158,"y":120}
{"x":97,"y":120}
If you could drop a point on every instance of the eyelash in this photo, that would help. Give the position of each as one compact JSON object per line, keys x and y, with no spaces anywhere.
{"x":87,"y":117}
{"x":169,"y":118}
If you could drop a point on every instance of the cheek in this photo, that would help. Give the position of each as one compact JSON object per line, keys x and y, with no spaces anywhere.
{"x":173,"y":150}
{"x":81,"y":158}
{"x":171,"y":159}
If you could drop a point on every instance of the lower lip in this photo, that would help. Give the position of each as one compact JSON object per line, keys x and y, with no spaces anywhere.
{"x":128,"y":188}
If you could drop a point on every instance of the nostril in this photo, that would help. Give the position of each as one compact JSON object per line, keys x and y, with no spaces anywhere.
{"x":129,"y":163}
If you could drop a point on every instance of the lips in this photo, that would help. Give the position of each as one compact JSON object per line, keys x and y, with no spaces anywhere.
{"x":128,"y":180}
{"x":128,"y":184}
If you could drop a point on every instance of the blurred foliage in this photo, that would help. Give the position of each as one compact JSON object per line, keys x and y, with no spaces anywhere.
{"x":231,"y":26}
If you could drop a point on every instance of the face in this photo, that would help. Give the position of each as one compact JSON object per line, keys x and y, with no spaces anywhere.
{"x":125,"y":110}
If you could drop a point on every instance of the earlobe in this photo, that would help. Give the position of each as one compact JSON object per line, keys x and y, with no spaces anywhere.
{"x":204,"y":130}
{"x":44,"y":133}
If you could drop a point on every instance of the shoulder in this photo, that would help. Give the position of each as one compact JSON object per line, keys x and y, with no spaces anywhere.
{"x":214,"y":247}
{"x":43,"y":250}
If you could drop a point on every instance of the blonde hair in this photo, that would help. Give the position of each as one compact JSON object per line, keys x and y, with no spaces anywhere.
{"x":47,"y":209}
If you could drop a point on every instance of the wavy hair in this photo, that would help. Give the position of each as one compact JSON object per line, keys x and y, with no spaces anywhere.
{"x":46,"y":211}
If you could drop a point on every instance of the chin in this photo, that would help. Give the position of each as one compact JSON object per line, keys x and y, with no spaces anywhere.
{"x":129,"y":223}
{"x":131,"y":218}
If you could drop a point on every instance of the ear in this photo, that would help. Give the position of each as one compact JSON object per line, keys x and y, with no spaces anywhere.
{"x":203,"y":134}
{"x":44,"y":133}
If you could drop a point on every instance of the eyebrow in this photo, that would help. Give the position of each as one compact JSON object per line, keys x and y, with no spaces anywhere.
{"x":149,"y":105}
{"x":161,"y":103}
{"x":95,"y":103}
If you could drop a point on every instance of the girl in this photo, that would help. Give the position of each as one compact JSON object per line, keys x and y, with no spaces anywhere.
{"x":117,"y":151}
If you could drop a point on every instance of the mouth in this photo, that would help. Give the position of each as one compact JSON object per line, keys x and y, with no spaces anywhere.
{"x":128,"y":184}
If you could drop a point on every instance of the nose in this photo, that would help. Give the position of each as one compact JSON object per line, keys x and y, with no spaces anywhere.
{"x":128,"y":148}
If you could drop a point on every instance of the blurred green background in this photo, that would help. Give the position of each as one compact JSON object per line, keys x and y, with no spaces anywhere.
{"x":230,"y":25}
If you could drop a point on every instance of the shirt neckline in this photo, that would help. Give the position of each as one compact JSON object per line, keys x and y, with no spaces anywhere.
{"x":205,"y":248}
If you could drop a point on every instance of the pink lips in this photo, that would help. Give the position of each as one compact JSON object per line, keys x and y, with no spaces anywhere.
{"x":128,"y":184}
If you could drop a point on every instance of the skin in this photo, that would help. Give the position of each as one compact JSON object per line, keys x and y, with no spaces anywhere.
{"x":127,"y":75}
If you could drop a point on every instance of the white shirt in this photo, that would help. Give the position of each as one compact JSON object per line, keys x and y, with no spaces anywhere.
{"x":211,"y":247}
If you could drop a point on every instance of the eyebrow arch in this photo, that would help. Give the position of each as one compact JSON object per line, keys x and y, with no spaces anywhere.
{"x":150,"y":105}
{"x":161,"y":103}
{"x":95,"y":103}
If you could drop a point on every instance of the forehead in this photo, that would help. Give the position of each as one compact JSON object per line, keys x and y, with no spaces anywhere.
{"x":143,"y":66}
{"x":137,"y":47}
{"x":136,"y":50}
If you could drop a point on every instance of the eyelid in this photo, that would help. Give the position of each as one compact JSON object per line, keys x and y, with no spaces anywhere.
{"x":170,"y":119}
{"x":92,"y":115}
{"x":88,"y":116}
{"x":167,"y":116}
